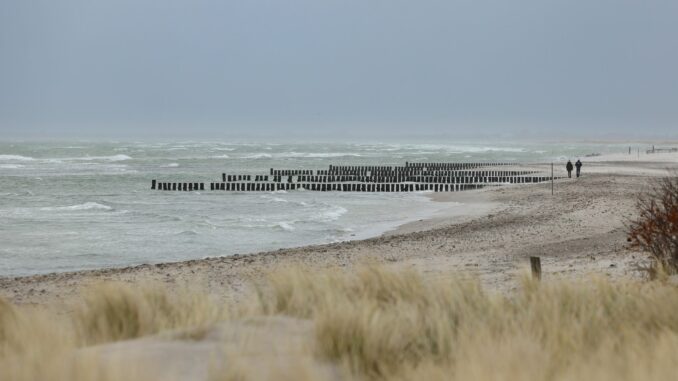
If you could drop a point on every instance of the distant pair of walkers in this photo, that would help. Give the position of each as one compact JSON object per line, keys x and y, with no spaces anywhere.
{"x":568,"y":166}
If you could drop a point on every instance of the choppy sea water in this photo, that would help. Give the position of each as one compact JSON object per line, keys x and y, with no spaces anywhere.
{"x":82,"y":205}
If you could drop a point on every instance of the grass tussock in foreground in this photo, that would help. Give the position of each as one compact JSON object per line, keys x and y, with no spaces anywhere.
{"x":41,"y":343}
{"x":373,"y":324}
{"x":396,"y":325}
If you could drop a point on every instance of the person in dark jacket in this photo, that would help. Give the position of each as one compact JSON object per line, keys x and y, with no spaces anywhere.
{"x":578,"y":165}
{"x":568,"y":166}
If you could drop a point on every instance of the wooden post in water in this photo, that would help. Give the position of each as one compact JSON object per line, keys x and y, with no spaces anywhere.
{"x":535,"y":264}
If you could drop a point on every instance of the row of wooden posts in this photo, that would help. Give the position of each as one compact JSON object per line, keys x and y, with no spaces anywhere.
{"x":335,"y":187}
{"x":437,"y":177}
{"x":409,"y":168}
{"x":462,"y":179}
{"x":346,"y":187}
{"x":429,"y":177}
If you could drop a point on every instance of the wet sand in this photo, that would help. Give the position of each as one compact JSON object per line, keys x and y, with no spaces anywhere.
{"x":491,"y":233}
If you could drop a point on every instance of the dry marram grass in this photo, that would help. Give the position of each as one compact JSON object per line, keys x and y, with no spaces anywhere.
{"x":373,"y":323}
{"x":396,"y":325}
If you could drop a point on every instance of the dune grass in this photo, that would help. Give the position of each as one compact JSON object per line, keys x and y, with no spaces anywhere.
{"x":372,"y":324}
{"x":40,"y":343}
{"x":112,"y":312}
{"x":397,"y":325}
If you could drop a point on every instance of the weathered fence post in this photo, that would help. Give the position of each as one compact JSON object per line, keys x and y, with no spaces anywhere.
{"x":535,"y":264}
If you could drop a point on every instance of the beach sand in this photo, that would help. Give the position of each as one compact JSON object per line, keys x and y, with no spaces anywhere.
{"x":489,"y":233}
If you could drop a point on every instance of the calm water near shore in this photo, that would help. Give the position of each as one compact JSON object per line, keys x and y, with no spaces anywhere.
{"x":82,"y":205}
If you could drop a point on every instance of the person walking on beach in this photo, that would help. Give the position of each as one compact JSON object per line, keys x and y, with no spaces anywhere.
{"x":568,"y":166}
{"x":578,"y":165}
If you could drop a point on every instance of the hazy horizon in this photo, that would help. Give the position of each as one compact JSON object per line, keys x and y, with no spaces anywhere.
{"x":349,"y":70}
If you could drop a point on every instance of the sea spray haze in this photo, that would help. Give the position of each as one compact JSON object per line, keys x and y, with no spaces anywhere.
{"x":82,"y":205}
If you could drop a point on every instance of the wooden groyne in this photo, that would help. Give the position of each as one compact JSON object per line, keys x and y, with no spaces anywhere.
{"x":413,"y":177}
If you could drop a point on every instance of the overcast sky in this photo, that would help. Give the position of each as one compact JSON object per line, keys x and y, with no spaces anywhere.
{"x":194,"y":68}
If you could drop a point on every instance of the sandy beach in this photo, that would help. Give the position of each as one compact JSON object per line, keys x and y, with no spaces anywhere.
{"x":489,"y":233}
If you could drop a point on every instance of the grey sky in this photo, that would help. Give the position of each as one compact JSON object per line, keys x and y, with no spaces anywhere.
{"x":206,"y":68}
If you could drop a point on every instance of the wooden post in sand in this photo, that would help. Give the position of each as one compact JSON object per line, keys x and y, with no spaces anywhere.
{"x":551,"y":179}
{"x":535,"y":264}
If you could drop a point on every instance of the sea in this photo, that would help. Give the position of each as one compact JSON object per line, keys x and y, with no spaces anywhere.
{"x":76,"y":205}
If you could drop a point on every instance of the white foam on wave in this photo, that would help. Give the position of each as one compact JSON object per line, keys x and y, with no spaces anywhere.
{"x":318,"y":154}
{"x":459,"y":148}
{"x":11,"y":166}
{"x":107,"y":158}
{"x":274,"y":199}
{"x":113,"y":158}
{"x":287,"y":226}
{"x":258,"y":156}
{"x":301,"y":155}
{"x":85,"y":206}
{"x":15,"y":158}
{"x":171,"y":165}
{"x":332,"y":214}
{"x":220,"y":157}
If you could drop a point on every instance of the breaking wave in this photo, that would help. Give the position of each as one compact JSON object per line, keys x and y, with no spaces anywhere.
{"x":287,"y":226}
{"x":332,"y":214}
{"x":85,"y":206}
{"x":258,"y":156}
{"x":104,"y":158}
{"x":16,"y":158}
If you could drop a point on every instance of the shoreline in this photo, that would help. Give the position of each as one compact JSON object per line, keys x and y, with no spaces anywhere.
{"x":437,"y":219}
{"x":451,"y":205}
{"x":578,"y":231}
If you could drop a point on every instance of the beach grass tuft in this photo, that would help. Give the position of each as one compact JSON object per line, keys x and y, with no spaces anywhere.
{"x":374,"y":323}
{"x":397,"y":325}
{"x":114,"y":311}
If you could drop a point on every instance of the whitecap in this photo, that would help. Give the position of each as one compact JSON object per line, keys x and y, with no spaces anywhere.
{"x":85,"y":206}
{"x":258,"y":156}
{"x":89,"y":158}
{"x":312,"y":155}
{"x":11,"y":166}
{"x":287,"y":226}
{"x":220,"y":157}
{"x":16,"y":158}
{"x":333,"y":214}
{"x":273,"y":199}
{"x":171,"y":165}
{"x":108,"y":158}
